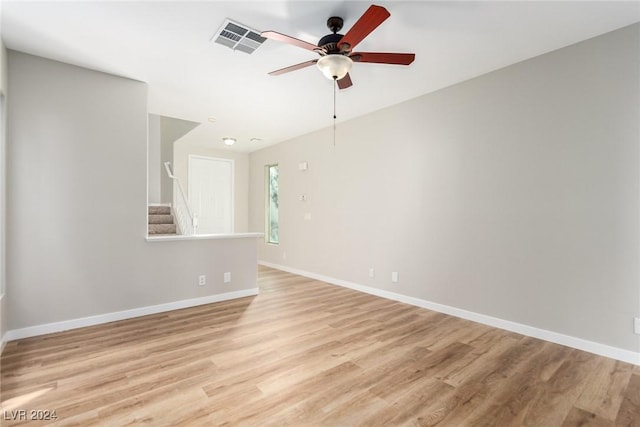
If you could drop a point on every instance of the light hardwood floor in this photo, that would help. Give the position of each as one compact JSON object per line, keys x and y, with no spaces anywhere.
{"x":305,"y":353}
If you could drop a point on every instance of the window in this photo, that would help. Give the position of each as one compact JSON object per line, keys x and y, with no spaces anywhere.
{"x":272,"y":204}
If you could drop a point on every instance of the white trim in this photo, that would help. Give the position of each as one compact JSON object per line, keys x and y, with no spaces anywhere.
{"x":543,"y":334}
{"x":164,"y":237}
{"x":160,"y":204}
{"x":50,"y":328}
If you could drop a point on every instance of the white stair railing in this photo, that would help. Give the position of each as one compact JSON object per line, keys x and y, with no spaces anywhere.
{"x":185,"y":219}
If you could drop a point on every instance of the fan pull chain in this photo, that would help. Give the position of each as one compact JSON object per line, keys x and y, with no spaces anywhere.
{"x":335,"y":83}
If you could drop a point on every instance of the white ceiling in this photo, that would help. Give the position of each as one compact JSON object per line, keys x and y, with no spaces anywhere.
{"x":167,"y":45}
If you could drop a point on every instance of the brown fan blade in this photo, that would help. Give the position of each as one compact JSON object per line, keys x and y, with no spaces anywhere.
{"x":273,"y":35}
{"x":293,"y":67}
{"x":368,"y":22}
{"x":383,"y":57}
{"x":345,"y":82}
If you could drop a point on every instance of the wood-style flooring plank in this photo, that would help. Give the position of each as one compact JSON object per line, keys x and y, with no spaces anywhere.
{"x":306,"y":353}
{"x":629,"y":413}
{"x":609,"y":381}
{"x":581,"y":418}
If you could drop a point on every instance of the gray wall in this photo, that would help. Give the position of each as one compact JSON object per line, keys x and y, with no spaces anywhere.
{"x":77,"y":203}
{"x":513,"y":195}
{"x":171,"y":130}
{"x":155,"y":165}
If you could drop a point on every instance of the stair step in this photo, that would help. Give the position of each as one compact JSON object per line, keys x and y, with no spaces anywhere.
{"x":160,"y":219}
{"x":162,"y":229}
{"x":159,"y":210}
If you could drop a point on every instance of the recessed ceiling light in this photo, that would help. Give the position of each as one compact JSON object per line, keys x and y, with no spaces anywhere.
{"x":212,"y":119}
{"x":229,"y":141}
{"x":255,"y":140}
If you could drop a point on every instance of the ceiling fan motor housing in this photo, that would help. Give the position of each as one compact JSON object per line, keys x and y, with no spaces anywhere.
{"x":330,"y":43}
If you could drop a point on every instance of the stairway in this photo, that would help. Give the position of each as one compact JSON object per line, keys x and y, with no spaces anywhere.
{"x":161,"y":220}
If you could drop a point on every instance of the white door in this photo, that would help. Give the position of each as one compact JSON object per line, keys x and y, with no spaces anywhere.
{"x":211,"y":194}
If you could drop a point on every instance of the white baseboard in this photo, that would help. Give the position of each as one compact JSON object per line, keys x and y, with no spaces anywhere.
{"x":555,"y":337}
{"x":50,"y":328}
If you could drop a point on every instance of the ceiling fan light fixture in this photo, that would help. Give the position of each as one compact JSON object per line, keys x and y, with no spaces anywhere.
{"x":229,"y":141}
{"x":335,"y":66}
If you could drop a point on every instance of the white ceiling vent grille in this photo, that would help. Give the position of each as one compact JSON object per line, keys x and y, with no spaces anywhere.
{"x":238,"y":37}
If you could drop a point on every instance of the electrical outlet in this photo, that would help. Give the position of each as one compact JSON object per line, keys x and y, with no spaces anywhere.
{"x":394,"y":277}
{"x":227,"y":277}
{"x":202,"y":280}
{"x":284,"y":255}
{"x":636,"y":325}
{"x":372,"y":273}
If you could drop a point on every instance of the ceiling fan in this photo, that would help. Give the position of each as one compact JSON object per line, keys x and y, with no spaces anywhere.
{"x":336,"y":50}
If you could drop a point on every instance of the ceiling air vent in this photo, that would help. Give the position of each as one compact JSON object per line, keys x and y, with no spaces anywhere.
{"x":238,"y":37}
